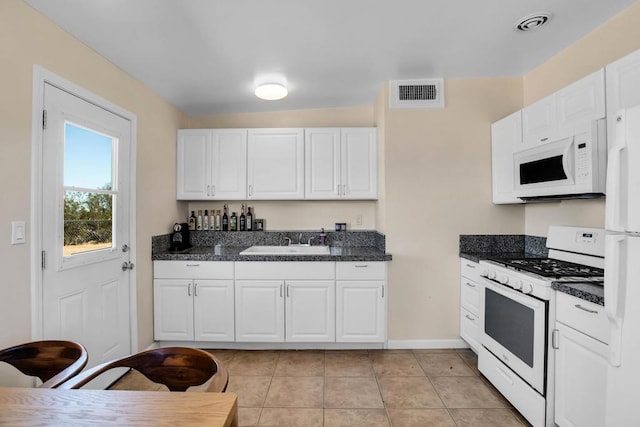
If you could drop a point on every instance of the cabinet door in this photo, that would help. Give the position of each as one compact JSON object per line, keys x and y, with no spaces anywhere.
{"x":581,"y":379}
{"x":623,"y":89}
{"x":470,"y":329}
{"x":275,"y":164}
{"x":213,"y":310}
{"x":310,"y":310}
{"x":359,"y":163}
{"x":581,"y":102}
{"x":193,"y":164}
{"x":228,"y":172}
{"x":259,"y":310}
{"x":539,"y":120}
{"x":360,"y":311}
{"x":322,"y":163}
{"x":173,"y":309}
{"x":506,"y":137}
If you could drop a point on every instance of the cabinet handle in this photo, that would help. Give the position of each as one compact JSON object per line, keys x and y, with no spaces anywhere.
{"x":471,"y":265}
{"x":470,"y":284}
{"x":554,"y":339}
{"x":280,"y":291}
{"x":586,"y":309}
{"x":344,"y":189}
{"x":338,"y":189}
{"x":213,"y":190}
{"x":469,"y":317}
{"x":362,"y":266}
{"x":208,"y":190}
{"x":193,"y":265}
{"x":287,"y":291}
{"x":383,"y":292}
{"x":544,"y":139}
{"x":189,"y":289}
{"x":195,"y":290}
{"x":251,"y":190}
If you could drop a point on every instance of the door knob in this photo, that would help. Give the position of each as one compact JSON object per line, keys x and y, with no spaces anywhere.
{"x":127,"y":266}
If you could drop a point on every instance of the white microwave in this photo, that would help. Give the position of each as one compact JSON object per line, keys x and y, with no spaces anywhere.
{"x":569,"y":166}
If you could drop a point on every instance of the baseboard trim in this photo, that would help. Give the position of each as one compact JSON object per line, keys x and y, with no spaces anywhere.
{"x":427,"y":344}
{"x":270,"y":346}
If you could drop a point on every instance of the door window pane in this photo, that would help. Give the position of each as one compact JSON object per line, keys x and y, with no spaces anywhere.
{"x":89,"y":196}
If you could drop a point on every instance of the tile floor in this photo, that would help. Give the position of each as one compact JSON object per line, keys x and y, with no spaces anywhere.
{"x":359,"y":388}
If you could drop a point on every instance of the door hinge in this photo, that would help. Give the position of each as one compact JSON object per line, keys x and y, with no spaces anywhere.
{"x":44,"y":259}
{"x":44,"y":119}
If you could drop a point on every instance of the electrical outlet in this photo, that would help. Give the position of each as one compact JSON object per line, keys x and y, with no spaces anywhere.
{"x":359,"y":219}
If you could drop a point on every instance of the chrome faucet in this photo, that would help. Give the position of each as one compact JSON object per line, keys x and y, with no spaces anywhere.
{"x":300,"y":239}
{"x":288,"y":241}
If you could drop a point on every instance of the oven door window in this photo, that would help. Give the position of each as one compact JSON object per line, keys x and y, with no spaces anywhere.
{"x":511,"y":324}
{"x":544,"y":170}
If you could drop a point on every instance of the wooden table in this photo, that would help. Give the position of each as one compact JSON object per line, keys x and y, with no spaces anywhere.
{"x":50,"y":407}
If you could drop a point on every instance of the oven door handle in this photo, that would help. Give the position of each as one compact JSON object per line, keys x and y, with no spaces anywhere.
{"x":566,"y":163}
{"x":520,"y":298}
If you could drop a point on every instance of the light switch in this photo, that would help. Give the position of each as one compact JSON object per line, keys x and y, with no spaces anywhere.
{"x":18,"y":232}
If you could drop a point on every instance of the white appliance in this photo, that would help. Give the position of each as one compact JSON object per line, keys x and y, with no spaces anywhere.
{"x":519,"y":306}
{"x":622,"y":271}
{"x":569,"y":166}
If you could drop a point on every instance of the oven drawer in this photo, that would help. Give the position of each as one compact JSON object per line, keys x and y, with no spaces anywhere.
{"x":470,"y":329}
{"x":470,"y":269}
{"x":525,"y":399}
{"x":470,"y":293}
{"x":584,"y":316}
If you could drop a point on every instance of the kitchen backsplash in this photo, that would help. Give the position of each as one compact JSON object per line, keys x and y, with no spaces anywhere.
{"x":368,"y":238}
{"x":503,"y":243}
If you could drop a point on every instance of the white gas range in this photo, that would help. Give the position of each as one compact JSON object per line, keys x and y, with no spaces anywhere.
{"x":519,"y":307}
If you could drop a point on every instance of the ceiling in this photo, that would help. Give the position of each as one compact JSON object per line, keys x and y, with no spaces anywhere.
{"x":206,"y":56}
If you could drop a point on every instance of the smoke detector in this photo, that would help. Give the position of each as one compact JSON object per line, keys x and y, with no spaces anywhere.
{"x":532,"y":22}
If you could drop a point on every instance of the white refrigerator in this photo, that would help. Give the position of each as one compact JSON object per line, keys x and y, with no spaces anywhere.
{"x":622,"y":271}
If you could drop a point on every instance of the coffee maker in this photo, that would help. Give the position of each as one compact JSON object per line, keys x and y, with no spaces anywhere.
{"x":180,"y":238}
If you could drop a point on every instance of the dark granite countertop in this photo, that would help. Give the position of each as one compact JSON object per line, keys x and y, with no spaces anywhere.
{"x":232,"y":253}
{"x":583,"y":290}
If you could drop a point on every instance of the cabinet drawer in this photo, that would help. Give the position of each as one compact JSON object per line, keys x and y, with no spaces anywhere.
{"x":584,"y":316}
{"x":470,"y":328}
{"x":470,"y":269}
{"x":193,"y":269}
{"x":285,"y":270}
{"x":470,"y":295}
{"x":361,"y":270}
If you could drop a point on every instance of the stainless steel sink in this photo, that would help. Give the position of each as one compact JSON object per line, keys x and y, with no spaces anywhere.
{"x":286,"y":250}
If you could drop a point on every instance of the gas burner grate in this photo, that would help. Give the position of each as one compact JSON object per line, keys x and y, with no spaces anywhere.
{"x":548,"y":267}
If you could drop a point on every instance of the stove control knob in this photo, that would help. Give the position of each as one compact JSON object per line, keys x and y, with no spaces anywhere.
{"x":527,"y":288}
{"x":517,"y":285}
{"x":504,"y":279}
{"x":491,"y":274}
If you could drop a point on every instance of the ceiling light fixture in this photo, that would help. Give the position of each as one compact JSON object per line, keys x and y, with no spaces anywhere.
{"x":271,"y":91}
{"x":532,"y":22}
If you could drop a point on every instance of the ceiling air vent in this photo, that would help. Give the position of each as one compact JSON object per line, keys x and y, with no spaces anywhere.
{"x":424,"y":93}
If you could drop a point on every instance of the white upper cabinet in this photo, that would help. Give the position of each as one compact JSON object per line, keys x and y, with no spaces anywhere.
{"x":565,"y":111}
{"x":212,"y":164}
{"x":275,"y":164}
{"x":506,"y":137}
{"x":341,"y":163}
{"x":623,"y":89}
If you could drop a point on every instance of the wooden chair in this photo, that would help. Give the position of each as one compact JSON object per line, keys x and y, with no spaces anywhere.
{"x":176,"y":367}
{"x":52,"y":361}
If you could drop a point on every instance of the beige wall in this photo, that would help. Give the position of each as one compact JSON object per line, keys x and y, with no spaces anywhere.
{"x":609,"y":42}
{"x":27,"y":38}
{"x":297,"y":215}
{"x":438,"y":186}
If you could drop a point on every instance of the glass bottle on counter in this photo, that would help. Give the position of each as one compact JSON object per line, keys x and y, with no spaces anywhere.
{"x":192,"y":221}
{"x":217,"y":221}
{"x":249,"y":219}
{"x":199,"y":220}
{"x":233,"y":226}
{"x":225,"y":219}
{"x":205,"y":220}
{"x":243,"y":219}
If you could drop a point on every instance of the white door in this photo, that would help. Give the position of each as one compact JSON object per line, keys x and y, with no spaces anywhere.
{"x":310,"y":310}
{"x":173,"y":309}
{"x":539,"y":121}
{"x":360,"y":311}
{"x":322,"y":163}
{"x":506,"y":137}
{"x":192,"y":165}
{"x":359,"y":163}
{"x":260,"y":310}
{"x":228,"y":167}
{"x":85,"y":238}
{"x":213,"y":314}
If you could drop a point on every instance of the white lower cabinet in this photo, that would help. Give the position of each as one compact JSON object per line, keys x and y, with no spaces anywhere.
{"x":283,"y":301}
{"x":581,"y":363}
{"x":187,"y":308}
{"x":361,"y":309}
{"x":471,"y":309}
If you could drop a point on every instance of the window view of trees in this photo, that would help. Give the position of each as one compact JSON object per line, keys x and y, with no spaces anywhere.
{"x":88,"y":221}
